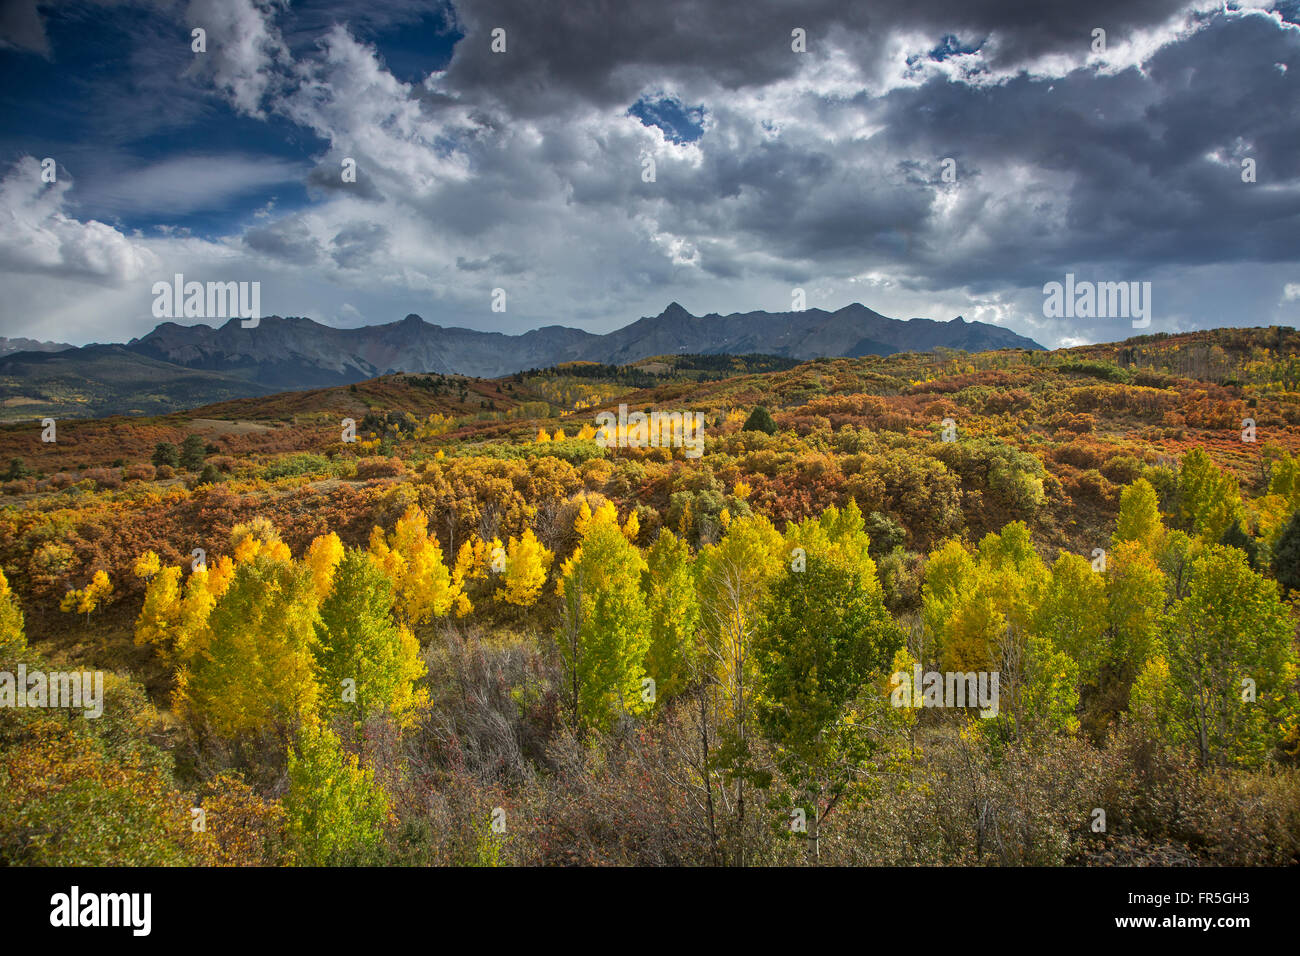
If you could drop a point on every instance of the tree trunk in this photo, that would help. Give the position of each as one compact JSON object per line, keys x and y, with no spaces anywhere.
{"x":708,"y":776}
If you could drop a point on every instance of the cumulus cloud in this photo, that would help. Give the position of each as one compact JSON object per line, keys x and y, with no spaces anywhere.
{"x":935,"y":158}
{"x":243,"y":48}
{"x":40,"y":237}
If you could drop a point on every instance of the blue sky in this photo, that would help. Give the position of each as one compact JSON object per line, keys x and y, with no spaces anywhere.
{"x":775,"y":170}
{"x":84,"y":103}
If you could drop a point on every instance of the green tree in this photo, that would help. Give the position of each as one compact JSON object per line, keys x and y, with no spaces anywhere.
{"x":1038,"y":691}
{"x":604,"y":630}
{"x":975,"y":606}
{"x":760,"y":420}
{"x":1231,"y":660}
{"x":733,"y":576}
{"x":368,"y":663}
{"x":1208,"y":500}
{"x":17,"y":469}
{"x":1139,"y":516}
{"x":838,"y":534}
{"x":165,"y":453}
{"x":334,"y":810}
{"x":1072,"y":612}
{"x":1285,"y":480}
{"x":823,"y":640}
{"x":1236,"y":537}
{"x":193,"y":450}
{"x":669,"y":583}
{"x":1135,"y":617}
{"x":1286,"y":556}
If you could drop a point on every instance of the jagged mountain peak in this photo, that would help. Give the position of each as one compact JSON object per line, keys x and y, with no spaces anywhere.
{"x":296,"y":352}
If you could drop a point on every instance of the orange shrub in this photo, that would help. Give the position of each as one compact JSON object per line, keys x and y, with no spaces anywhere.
{"x":380,"y":468}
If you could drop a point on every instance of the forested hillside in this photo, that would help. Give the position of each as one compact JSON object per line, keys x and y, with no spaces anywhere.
{"x":483,"y":634}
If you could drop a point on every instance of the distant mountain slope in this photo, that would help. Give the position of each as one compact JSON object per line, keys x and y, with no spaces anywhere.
{"x":177,"y":366}
{"x":848,"y":332}
{"x":101,"y":380}
{"x":30,"y":345}
{"x":300,"y":353}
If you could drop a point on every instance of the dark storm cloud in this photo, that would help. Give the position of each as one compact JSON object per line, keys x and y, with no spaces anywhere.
{"x":329,"y":179}
{"x":604,"y":52}
{"x":499,"y":264}
{"x":21,"y":27}
{"x":1129,"y":156}
{"x":285,"y":241}
{"x":1123,"y":163}
{"x":772,"y":169}
{"x":356,"y":245}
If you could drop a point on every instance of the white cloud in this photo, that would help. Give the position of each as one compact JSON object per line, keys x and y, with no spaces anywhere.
{"x":243,"y":48}
{"x":181,"y":185}
{"x":822,"y":175}
{"x":39,"y":236}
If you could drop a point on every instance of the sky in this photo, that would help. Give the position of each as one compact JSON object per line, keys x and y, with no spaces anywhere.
{"x":927,"y":158}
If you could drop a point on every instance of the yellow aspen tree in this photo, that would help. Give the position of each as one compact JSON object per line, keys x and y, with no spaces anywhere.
{"x":203,"y":589}
{"x":412,"y":558}
{"x":322,"y":558}
{"x":12,"y":638}
{"x":249,"y":539}
{"x":147,"y":565}
{"x":462,"y":571}
{"x":527,"y":563}
{"x":86,"y":600}
{"x":160,"y":615}
{"x":255,"y":671}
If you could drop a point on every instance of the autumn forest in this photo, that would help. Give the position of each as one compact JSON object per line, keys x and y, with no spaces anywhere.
{"x":441,"y":620}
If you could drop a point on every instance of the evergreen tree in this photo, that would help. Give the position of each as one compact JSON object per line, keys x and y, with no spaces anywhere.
{"x":760,"y":420}
{"x":165,"y":453}
{"x":193,"y":450}
{"x":1286,"y":556}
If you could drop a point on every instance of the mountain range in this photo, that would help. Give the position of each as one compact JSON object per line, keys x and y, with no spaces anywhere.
{"x":29,"y":345}
{"x":177,"y":366}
